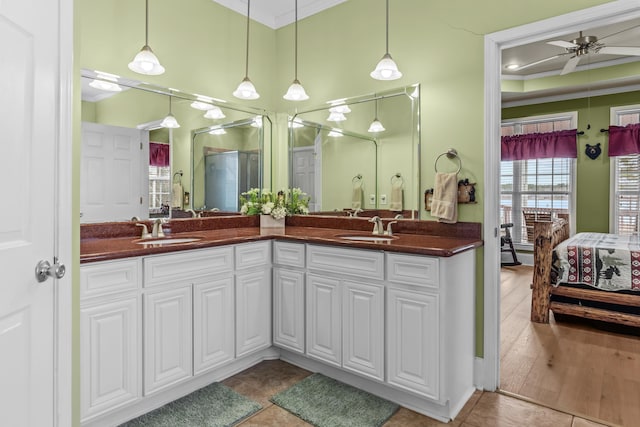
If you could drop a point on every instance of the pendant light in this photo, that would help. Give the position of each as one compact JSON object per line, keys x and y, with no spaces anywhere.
{"x":246,"y":89}
{"x":376,"y":125}
{"x":296,"y":91}
{"x":146,"y":62}
{"x":386,"y":68}
{"x":214,"y":113}
{"x":106,"y":81}
{"x":170,"y":121}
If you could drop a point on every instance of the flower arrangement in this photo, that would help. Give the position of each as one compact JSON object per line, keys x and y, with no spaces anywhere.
{"x":278,"y":205}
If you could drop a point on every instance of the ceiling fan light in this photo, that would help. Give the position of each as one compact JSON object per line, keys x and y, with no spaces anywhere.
{"x":146,"y":62}
{"x":386,"y":69}
{"x":246,"y":90}
{"x":214,"y":113}
{"x":376,"y":126}
{"x":170,"y":122}
{"x":296,"y":92}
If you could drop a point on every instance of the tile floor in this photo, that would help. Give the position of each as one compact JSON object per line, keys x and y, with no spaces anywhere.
{"x":484,"y":409}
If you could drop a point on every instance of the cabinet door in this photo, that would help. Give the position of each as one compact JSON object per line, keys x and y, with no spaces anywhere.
{"x":110,"y":353}
{"x":213,"y":323}
{"x":167,"y":338}
{"x":288,"y":309}
{"x":413,"y":341}
{"x":363,"y":329}
{"x":253,"y":311}
{"x":324,"y":319}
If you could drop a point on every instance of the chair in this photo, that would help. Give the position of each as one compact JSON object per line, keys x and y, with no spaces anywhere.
{"x":506,"y":245}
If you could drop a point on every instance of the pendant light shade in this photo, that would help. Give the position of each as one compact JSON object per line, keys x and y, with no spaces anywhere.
{"x":386,"y":68}
{"x":146,"y":62}
{"x":106,"y":81}
{"x":246,"y":89}
{"x":214,"y":113}
{"x":376,"y":125}
{"x":170,"y":121}
{"x":296,"y":92}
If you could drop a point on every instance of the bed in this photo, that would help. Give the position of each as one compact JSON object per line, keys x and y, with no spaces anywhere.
{"x":591,"y":275}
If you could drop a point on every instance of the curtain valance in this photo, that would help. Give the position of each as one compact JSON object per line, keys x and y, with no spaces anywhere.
{"x":624,"y":140}
{"x":559,"y":144}
{"x":158,"y":154}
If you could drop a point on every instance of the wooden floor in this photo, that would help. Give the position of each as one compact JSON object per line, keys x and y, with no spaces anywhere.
{"x":584,"y":369}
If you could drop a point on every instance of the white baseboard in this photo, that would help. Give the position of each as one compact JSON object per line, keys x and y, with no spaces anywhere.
{"x":478,"y":373}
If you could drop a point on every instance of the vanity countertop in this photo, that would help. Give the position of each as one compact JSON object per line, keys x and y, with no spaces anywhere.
{"x":102,"y":247}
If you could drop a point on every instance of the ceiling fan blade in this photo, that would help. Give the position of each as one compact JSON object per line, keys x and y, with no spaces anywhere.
{"x":570,"y":66}
{"x":540,"y":61}
{"x":562,"y":43}
{"x":620,"y":50}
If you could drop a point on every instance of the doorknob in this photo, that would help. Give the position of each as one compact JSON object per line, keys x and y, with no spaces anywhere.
{"x":44,"y":270}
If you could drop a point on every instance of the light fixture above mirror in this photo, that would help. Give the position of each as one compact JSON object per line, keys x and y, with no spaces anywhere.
{"x":296,"y":92}
{"x":246,"y":89}
{"x":146,"y":62}
{"x":170,"y":121}
{"x":386,"y":68}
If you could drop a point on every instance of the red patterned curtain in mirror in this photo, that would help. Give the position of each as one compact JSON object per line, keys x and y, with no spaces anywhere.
{"x":158,"y":154}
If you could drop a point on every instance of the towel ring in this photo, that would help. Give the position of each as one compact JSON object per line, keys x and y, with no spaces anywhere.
{"x":397,"y":177}
{"x":177,"y":173}
{"x":356,"y":178}
{"x":451,"y":153}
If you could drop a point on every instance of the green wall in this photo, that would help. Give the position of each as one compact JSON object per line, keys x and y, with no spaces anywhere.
{"x":439,"y":44}
{"x":592,"y":181}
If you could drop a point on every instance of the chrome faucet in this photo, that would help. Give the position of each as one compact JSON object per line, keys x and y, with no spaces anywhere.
{"x":145,"y":231}
{"x":398,"y":216}
{"x":378,"y":226}
{"x":356,"y":212}
{"x":194,"y":214}
{"x":389,"y":230}
{"x":157,"y":228}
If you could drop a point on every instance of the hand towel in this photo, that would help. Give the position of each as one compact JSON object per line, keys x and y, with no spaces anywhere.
{"x":177,"y":195}
{"x":444,"y":204}
{"x":356,"y":196}
{"x":395,"y":201}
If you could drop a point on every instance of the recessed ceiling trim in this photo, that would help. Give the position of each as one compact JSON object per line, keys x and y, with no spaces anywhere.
{"x":584,"y":67}
{"x":278,"y":13}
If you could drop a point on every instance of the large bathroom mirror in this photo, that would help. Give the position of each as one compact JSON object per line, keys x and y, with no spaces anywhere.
{"x":359,"y":155}
{"x":134,"y":165}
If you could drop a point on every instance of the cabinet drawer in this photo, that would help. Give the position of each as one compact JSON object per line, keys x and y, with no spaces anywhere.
{"x":109,"y":277}
{"x":291,"y":254}
{"x":253,"y":254}
{"x":356,"y":262}
{"x":181,"y":266}
{"x":413,"y":270}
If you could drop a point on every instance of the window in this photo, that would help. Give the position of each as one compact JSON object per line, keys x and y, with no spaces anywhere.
{"x":159,"y":189}
{"x":625,"y":177}
{"x":540,"y":188}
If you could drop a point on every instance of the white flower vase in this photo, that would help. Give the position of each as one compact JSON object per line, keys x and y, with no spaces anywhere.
{"x":270,"y":225}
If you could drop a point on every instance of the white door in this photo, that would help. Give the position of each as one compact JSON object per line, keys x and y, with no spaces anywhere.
{"x":34,"y":49}
{"x":253,"y":311}
{"x":288,"y":309}
{"x":324,"y":319}
{"x":115,"y":173}
{"x":363,"y":328}
{"x":167,"y":338}
{"x":304,"y":174}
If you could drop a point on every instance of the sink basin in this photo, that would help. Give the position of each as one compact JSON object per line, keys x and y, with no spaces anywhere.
{"x":360,"y":238}
{"x":168,"y":241}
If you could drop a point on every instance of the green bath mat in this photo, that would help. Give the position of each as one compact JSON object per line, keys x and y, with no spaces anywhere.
{"x":215,"y":405}
{"x":325,"y":402}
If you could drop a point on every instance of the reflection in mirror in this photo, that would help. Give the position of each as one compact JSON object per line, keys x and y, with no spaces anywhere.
{"x":133,"y":167}
{"x":227,"y":162}
{"x":359,"y":155}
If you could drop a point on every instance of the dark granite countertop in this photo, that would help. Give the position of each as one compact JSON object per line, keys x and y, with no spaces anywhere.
{"x":101,"y":242}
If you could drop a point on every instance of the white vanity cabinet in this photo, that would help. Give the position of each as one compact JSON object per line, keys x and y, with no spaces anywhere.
{"x":178,"y":344}
{"x":430,"y":334}
{"x":110,"y":336}
{"x":253,"y":297}
{"x":345,"y":308}
{"x":288,"y":295}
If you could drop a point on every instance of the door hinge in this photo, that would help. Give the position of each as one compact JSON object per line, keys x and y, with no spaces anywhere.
{"x":140,"y":199}
{"x":495,"y":232}
{"x":141,"y":146}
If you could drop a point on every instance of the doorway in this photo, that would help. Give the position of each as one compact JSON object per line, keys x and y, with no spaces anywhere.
{"x":494,"y":43}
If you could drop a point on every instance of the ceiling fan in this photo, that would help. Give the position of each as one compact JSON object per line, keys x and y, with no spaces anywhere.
{"x":584,"y":45}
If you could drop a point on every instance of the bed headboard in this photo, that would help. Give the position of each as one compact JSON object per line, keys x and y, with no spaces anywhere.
{"x":547,"y":235}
